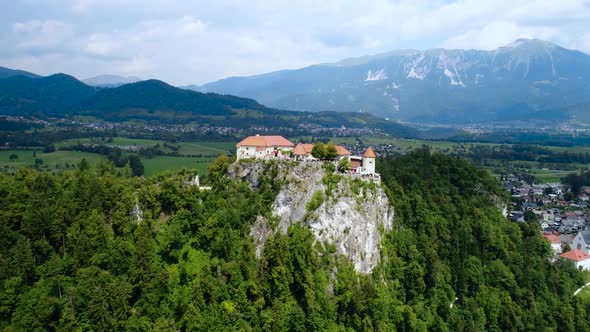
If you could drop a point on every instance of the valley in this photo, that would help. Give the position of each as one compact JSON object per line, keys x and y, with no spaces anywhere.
{"x":450,"y":193}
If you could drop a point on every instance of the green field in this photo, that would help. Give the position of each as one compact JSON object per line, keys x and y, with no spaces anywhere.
{"x":405,"y":144}
{"x":206,"y":147}
{"x":117,"y":141}
{"x":186,"y":148}
{"x":165,"y":163}
{"x":199,"y":154}
{"x":541,"y":171}
{"x":54,"y":160}
{"x":62,"y":159}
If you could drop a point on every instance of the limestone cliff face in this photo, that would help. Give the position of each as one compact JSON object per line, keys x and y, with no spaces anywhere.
{"x":349,"y":213}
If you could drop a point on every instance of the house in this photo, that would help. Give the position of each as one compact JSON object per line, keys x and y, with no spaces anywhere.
{"x":583,"y":197}
{"x":516,"y":216}
{"x":555,"y":242}
{"x":264,"y":147}
{"x":580,"y":258}
{"x":364,"y":165}
{"x":302,"y":152}
{"x":342,"y":152}
{"x":529,"y":205}
{"x":582,"y":241}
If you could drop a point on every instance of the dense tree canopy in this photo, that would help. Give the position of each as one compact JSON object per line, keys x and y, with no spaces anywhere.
{"x":75,"y":255}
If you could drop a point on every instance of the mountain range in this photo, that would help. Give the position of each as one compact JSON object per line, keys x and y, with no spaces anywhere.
{"x":529,"y":79}
{"x":61,"y":95}
{"x":110,"y":81}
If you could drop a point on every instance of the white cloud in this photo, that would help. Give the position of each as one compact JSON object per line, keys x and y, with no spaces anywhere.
{"x":101,"y":44}
{"x":41,"y":34}
{"x":197,"y":41}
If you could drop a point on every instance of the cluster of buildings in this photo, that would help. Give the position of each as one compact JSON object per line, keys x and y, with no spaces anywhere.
{"x":565,"y":224}
{"x":278,"y":147}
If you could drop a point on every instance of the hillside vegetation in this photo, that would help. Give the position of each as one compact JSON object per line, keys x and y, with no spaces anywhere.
{"x":159,"y":103}
{"x":74,"y":256}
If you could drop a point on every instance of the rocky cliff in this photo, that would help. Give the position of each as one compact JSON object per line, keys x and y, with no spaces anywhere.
{"x":343,"y":211}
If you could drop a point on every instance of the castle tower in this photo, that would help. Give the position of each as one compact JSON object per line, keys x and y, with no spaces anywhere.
{"x":369,"y":161}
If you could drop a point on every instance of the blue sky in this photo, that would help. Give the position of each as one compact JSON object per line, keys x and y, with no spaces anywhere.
{"x":193,"y":42}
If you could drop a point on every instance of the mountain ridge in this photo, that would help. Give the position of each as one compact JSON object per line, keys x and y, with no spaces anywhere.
{"x":110,"y":81}
{"x":433,"y":85}
{"x":8,"y":72}
{"x":61,"y":95}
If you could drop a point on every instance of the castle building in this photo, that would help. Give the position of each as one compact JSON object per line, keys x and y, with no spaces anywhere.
{"x":302,"y":152}
{"x":364,"y":164}
{"x":264,"y":147}
{"x":271,"y":147}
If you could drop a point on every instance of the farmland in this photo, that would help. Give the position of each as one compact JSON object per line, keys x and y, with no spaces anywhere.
{"x":197,"y":155}
{"x":189,"y":155}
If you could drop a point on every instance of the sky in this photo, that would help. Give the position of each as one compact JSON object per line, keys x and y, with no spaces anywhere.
{"x":193,"y":42}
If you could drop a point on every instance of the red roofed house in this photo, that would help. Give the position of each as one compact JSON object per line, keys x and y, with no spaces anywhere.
{"x":262,"y":147}
{"x":303,"y":152}
{"x":555,"y":242}
{"x":580,"y":258}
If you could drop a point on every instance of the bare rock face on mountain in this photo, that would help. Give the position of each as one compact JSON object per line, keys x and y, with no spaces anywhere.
{"x":528,"y":79}
{"x":349,"y":213}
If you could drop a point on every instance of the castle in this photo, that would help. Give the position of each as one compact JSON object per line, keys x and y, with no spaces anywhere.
{"x":278,"y":147}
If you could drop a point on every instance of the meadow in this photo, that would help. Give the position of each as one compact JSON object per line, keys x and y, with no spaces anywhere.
{"x":57,"y":160}
{"x":192,"y":155}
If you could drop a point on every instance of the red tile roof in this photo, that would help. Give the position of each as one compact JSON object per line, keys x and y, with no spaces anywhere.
{"x":302,"y":149}
{"x":369,"y":153}
{"x":575,"y":255}
{"x":342,"y":151}
{"x":552,"y":238}
{"x":265,"y":141}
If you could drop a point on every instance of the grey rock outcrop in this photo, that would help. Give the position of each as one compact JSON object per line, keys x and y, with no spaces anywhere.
{"x":351,"y":215}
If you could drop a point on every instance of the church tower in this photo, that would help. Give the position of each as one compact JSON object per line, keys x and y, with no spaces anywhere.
{"x":369,"y":161}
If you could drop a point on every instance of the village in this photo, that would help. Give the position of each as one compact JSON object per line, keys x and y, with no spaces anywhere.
{"x":564,"y":223}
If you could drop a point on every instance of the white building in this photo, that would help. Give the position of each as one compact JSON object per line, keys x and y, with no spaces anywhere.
{"x":582,"y":241}
{"x":555,"y":242}
{"x":580,"y":258}
{"x":302,"y":152}
{"x":264,"y":147}
{"x":364,"y":164}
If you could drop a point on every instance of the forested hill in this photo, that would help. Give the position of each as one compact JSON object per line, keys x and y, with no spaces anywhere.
{"x":7,"y":72}
{"x":50,"y":95}
{"x":73,"y":256}
{"x":61,"y":95}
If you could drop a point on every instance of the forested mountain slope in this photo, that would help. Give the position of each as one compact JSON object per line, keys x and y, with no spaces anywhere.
{"x":61,"y":96}
{"x":73,"y":257}
{"x":7,"y":72}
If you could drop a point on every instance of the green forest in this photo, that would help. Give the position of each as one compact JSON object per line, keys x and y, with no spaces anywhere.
{"x":75,"y":254}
